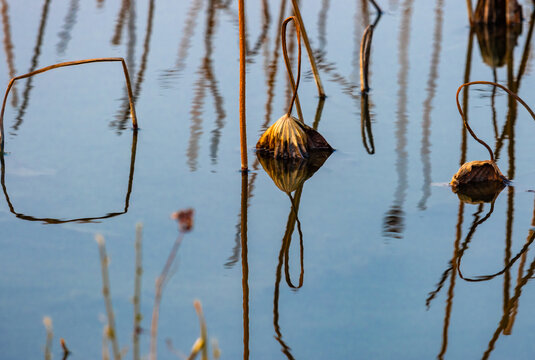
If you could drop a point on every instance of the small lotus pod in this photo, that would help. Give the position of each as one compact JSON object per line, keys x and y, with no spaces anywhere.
{"x":290,"y":174}
{"x":477,"y":172}
{"x":290,"y":138}
{"x":481,"y":192}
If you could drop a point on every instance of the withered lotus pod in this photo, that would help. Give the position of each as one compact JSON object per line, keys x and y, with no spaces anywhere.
{"x":481,"y":192}
{"x":477,"y":172}
{"x":290,"y":174}
{"x":290,"y":138}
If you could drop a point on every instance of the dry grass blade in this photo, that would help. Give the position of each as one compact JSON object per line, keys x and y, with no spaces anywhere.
{"x":110,"y":332}
{"x":64,"y":64}
{"x":47,"y":322}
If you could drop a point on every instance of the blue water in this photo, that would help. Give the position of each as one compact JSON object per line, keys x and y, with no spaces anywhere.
{"x":379,"y":230}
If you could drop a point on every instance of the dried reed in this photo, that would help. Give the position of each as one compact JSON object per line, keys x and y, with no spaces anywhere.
{"x":243,"y":132}
{"x":319,"y":85}
{"x":110,"y":330}
{"x":64,"y":64}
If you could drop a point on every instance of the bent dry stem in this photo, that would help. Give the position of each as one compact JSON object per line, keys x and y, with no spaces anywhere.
{"x":464,"y":117}
{"x":64,"y":64}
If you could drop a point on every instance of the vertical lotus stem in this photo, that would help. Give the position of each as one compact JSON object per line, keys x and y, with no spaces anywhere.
{"x":295,"y":84}
{"x":365,"y":47}
{"x":63,"y":64}
{"x":106,"y":291}
{"x":464,"y":118}
{"x":321,"y":92}
{"x":243,"y":133}
{"x":137,"y":293}
{"x":470,"y":11}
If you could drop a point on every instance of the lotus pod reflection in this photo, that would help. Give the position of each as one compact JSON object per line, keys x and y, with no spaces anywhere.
{"x":290,"y":174}
{"x":480,"y":172}
{"x":482,"y":192}
{"x":290,"y":138}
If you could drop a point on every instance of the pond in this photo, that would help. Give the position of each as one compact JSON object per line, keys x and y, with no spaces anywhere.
{"x":360,"y":260}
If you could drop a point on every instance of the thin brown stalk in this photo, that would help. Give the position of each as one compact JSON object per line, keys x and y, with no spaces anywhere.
{"x":8,"y":47}
{"x":295,"y":84}
{"x":516,"y":97}
{"x":377,"y":6}
{"x":111,"y":333}
{"x":64,"y":64}
{"x":66,"y":351}
{"x":365,"y":49}
{"x":470,"y":11}
{"x":204,"y":331}
{"x":319,"y":85}
{"x":243,"y":132}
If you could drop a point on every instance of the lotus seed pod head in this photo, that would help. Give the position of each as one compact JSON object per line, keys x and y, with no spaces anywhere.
{"x":290,"y":138}
{"x":475,"y":172}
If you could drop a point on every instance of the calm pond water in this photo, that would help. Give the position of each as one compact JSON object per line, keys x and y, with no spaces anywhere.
{"x":382,"y":234}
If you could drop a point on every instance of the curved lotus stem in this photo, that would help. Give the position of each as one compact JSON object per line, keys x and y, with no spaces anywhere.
{"x":287,"y":59}
{"x":464,"y":118}
{"x":63,"y":64}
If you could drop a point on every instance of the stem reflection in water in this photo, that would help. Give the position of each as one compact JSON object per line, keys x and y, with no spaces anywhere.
{"x":49,"y":220}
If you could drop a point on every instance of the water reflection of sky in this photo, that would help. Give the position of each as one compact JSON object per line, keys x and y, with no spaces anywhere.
{"x":380,"y":234}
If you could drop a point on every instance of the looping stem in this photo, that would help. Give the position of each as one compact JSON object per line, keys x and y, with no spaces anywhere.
{"x":464,"y":118}
{"x":63,"y":64}
{"x":295,"y":84}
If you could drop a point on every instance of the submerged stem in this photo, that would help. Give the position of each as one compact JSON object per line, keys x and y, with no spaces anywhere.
{"x":464,"y":118}
{"x":295,"y":84}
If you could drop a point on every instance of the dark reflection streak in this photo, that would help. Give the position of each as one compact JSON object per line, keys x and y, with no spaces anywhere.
{"x":512,"y":303}
{"x":79,"y":220}
{"x":508,"y":244}
{"x":292,"y":220}
{"x":205,"y":76}
{"x":449,"y":301}
{"x":513,"y":312}
{"x":132,"y":38}
{"x":70,"y":21}
{"x":393,"y":221}
{"x":493,"y":105}
{"x":526,"y":52}
{"x":366,"y":124}
{"x":8,"y":48}
{"x":34,"y":62}
{"x":283,"y":257}
{"x":245,"y":265}
{"x":322,"y":26}
{"x":212,"y":83}
{"x":142,"y":67}
{"x":425,"y":150}
{"x":185,"y":42}
{"x":266,"y":21}
{"x":116,"y":39}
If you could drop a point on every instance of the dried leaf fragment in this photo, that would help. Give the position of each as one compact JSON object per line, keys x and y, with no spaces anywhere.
{"x":477,"y":172}
{"x":290,"y":138}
